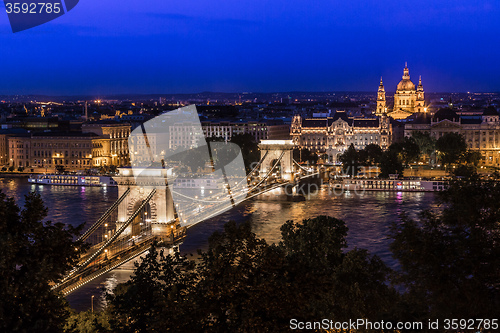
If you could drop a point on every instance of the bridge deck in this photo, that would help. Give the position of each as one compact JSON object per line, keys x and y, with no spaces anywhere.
{"x":104,"y":265}
{"x":118,"y":249}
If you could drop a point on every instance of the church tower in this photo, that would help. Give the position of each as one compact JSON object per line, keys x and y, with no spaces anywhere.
{"x":381,"y":104}
{"x":420,"y":102}
{"x":408,"y":99}
{"x":405,"y":98}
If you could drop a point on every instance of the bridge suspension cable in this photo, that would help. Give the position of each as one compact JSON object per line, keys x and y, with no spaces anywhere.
{"x":109,"y":241}
{"x":85,"y":274}
{"x":300,"y":166}
{"x":233,"y":188}
{"x":108,"y":212}
{"x":122,"y":228}
{"x":269,"y":172}
{"x":255,"y":168}
{"x":94,"y":275}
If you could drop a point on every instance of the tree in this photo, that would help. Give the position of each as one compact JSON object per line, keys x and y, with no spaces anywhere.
{"x":194,"y":158}
{"x":248,"y":146}
{"x":249,"y":149}
{"x":390,"y":163}
{"x":305,"y":155}
{"x":243,"y":284}
{"x":426,"y":143}
{"x":324,"y":157}
{"x":350,"y":161}
{"x":34,"y":254}
{"x":60,"y":168}
{"x":449,"y":258}
{"x":410,"y":151}
{"x":451,"y":147}
{"x":464,"y":171}
{"x":472,"y":157}
{"x":113,"y":168}
{"x":333,"y":283}
{"x":372,"y":154}
{"x":155,"y":299}
{"x":249,"y":285}
{"x":89,"y":322}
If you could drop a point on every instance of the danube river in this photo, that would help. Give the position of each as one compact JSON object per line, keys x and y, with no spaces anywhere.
{"x":368,"y":216}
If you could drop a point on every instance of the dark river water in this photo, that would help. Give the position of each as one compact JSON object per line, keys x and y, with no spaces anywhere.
{"x":368,"y":216}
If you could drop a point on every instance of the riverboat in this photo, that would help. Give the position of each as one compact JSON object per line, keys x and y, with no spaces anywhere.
{"x":396,"y":185}
{"x":72,"y":180}
{"x":206,"y":183}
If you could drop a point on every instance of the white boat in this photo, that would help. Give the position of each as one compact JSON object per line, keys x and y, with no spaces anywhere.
{"x":72,"y":180}
{"x":397,"y":185}
{"x":207,"y":183}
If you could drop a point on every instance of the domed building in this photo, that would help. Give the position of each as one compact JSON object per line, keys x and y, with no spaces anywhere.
{"x":407,"y":99}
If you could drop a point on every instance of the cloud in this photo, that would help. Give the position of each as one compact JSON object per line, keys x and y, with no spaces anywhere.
{"x":147,"y":23}
{"x":182,"y":17}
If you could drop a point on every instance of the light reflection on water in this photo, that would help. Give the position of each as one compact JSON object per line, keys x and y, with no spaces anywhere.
{"x":368,"y":217}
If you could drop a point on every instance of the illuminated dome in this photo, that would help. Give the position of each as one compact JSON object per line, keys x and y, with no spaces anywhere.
{"x":406,"y":83}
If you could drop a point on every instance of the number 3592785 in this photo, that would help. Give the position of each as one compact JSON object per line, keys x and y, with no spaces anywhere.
{"x":33,"y":8}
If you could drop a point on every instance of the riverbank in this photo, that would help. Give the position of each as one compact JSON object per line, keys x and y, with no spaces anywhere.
{"x":14,"y":175}
{"x":367,"y":215}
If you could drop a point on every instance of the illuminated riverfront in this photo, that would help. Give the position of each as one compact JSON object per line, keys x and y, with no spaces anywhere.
{"x":249,"y":166}
{"x":368,"y":226}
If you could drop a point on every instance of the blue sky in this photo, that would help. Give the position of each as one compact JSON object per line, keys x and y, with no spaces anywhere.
{"x":130,"y":46}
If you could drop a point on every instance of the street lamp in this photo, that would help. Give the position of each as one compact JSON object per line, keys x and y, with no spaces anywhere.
{"x":92,"y":303}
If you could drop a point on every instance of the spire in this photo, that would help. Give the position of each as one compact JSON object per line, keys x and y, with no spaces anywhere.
{"x":406,"y":72}
{"x":420,"y":87}
{"x":381,"y":86}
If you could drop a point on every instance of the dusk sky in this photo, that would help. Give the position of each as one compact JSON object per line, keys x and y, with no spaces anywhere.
{"x":131,"y":46}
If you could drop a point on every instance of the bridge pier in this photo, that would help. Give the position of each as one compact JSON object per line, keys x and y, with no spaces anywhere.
{"x":271,"y":151}
{"x":158,"y":216}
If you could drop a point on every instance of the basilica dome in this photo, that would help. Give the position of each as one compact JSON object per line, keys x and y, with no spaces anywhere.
{"x":406,"y":84}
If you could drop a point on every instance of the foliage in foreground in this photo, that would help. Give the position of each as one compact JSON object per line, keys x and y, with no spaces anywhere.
{"x":89,"y":322}
{"x":243,"y":284}
{"x":34,"y":252}
{"x":450,"y":258}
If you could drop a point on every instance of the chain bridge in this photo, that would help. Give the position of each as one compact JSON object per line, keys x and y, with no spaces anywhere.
{"x":156,"y":205}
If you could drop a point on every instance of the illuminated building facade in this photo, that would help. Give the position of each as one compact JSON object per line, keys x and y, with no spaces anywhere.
{"x":95,"y":146}
{"x":333,"y":135}
{"x":260,"y":130}
{"x":481,"y":132}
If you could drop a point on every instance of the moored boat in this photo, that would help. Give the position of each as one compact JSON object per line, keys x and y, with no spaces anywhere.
{"x":72,"y":180}
{"x":397,"y":185}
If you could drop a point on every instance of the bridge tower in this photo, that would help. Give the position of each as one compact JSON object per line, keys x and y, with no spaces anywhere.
{"x":271,"y":151}
{"x":158,"y":216}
